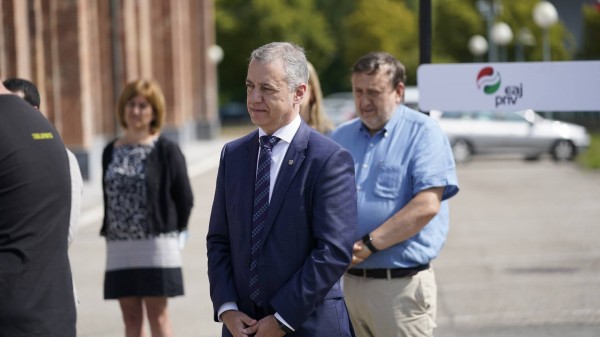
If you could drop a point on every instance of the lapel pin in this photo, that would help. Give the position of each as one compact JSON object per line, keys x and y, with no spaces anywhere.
{"x":290,"y":162}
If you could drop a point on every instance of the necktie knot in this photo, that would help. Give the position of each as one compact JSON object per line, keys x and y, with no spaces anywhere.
{"x":268,"y":141}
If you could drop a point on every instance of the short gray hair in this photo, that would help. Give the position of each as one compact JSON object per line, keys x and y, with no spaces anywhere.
{"x":291,"y":56}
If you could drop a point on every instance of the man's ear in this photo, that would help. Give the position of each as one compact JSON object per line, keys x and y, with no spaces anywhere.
{"x":399,"y":92}
{"x":299,"y":93}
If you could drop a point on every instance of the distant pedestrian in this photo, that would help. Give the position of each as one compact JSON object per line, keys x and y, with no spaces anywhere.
{"x":405,"y":174}
{"x":36,"y":289}
{"x":147,"y":200}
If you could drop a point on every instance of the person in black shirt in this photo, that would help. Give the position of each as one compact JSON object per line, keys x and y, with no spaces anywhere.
{"x":36,"y":290}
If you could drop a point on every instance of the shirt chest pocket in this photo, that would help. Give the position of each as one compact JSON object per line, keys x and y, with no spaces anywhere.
{"x":389,"y":180}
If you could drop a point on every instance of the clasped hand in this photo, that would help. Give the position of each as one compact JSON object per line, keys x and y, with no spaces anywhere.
{"x":359,"y":253}
{"x":242,"y":325}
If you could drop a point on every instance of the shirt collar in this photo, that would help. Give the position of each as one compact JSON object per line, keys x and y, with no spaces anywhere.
{"x":287,"y":132}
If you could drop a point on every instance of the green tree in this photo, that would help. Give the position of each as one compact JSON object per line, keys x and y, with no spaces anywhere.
{"x":336,"y":33}
{"x":244,"y":25}
{"x":591,"y":33}
{"x":335,"y":76}
{"x":519,"y":15}
{"x":455,"y":21}
{"x":382,"y":25}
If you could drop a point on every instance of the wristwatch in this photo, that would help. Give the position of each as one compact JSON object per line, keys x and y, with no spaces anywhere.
{"x":283,"y":327}
{"x":367,"y":240}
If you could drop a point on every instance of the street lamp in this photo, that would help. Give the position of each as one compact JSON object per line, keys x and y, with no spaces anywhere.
{"x":524,"y":39}
{"x":489,"y":9}
{"x":215,"y":53}
{"x":502,"y":35}
{"x":478,"y":46}
{"x":545,"y":15}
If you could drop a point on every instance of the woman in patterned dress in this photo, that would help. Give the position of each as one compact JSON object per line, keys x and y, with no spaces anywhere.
{"x":147,"y":203}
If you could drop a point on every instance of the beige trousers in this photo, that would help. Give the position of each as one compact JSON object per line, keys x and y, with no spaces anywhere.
{"x":402,"y":307}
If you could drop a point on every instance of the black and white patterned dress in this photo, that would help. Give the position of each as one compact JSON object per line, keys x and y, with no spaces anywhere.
{"x":138,"y":263}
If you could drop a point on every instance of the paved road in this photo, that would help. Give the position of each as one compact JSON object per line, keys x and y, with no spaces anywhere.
{"x":522,"y":258}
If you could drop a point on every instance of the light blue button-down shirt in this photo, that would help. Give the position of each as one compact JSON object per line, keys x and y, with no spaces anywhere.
{"x":410,"y":154}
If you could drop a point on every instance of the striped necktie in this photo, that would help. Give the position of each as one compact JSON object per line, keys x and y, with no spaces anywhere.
{"x":261,"y":207}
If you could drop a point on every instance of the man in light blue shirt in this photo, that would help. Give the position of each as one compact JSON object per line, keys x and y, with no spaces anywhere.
{"x":405,"y":173}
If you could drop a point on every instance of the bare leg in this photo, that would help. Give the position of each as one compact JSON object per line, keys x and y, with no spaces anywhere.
{"x":133,"y":316}
{"x":158,"y":317}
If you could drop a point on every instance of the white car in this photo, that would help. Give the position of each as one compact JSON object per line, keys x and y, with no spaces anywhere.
{"x":521,"y":132}
{"x":339,"y":107}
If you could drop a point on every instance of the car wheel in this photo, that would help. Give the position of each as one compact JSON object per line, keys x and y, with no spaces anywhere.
{"x":563,"y":150}
{"x":462,"y":151}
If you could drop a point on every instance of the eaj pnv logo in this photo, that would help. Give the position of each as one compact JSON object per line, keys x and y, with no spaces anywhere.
{"x":489,"y":80}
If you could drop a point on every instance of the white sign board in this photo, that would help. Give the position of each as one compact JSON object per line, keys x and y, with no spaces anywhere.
{"x":542,"y":86}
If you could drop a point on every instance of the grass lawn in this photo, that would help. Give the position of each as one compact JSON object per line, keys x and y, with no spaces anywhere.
{"x":590,"y":159}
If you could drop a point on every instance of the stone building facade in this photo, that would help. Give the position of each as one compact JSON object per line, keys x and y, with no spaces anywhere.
{"x":80,"y":53}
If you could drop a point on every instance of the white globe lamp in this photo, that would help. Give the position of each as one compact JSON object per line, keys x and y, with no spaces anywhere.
{"x":545,"y":16}
{"x":501,"y":35}
{"x":215,"y":53}
{"x":478,"y":46}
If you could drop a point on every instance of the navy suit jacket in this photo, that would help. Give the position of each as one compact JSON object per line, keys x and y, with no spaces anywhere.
{"x":308,"y":237}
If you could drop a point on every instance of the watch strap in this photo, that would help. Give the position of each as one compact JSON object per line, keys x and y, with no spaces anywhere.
{"x":368,"y":241}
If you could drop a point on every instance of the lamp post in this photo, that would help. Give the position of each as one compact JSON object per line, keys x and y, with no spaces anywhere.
{"x":524,"y":39}
{"x":489,"y":9}
{"x":502,"y":35}
{"x":545,"y":15}
{"x":478,"y":46}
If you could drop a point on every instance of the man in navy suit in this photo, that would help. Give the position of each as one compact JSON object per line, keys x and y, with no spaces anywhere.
{"x":306,"y":242}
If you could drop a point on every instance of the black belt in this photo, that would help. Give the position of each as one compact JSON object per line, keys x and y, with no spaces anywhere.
{"x":388,"y":273}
